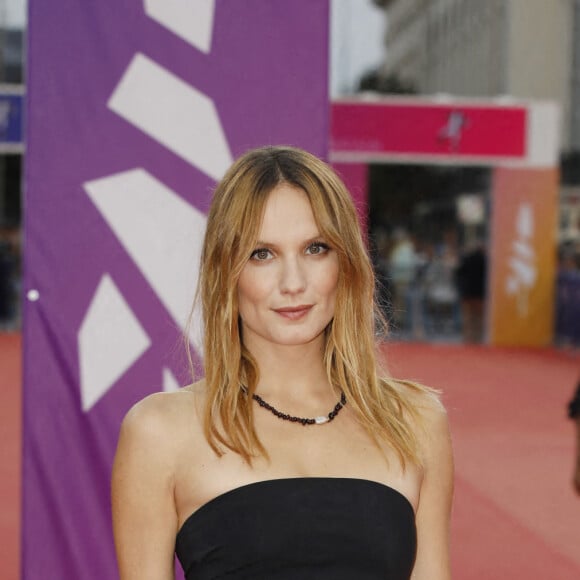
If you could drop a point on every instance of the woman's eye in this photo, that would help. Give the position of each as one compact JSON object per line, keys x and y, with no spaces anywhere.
{"x":260,"y":254}
{"x":317,"y":248}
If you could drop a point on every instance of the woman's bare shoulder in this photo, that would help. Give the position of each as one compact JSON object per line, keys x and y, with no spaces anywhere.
{"x":153,"y":435}
{"x":433,"y":423}
{"x":425,"y":400}
{"x":162,"y":418}
{"x":427,"y":412}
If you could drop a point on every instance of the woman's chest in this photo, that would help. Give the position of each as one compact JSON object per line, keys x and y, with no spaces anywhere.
{"x":340,"y":450}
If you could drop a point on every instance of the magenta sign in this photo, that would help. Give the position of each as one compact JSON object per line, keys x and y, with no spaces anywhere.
{"x":389,"y":128}
{"x":135,"y":109}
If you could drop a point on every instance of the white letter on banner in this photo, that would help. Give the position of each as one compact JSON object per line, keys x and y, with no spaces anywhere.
{"x":110,"y":340}
{"x":173,"y":113}
{"x":522,"y":261}
{"x":161,"y":232}
{"x":192,"y":20}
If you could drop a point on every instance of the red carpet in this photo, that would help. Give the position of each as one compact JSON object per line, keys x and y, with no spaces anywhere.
{"x":10,"y":426}
{"x":515,"y":513}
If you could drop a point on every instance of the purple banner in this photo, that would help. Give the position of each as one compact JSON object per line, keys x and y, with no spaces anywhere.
{"x":135,"y":109}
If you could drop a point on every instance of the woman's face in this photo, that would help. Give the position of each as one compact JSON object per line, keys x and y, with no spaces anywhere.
{"x":287,"y":289}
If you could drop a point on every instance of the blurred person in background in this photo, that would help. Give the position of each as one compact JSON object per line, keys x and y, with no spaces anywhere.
{"x":402,"y":265}
{"x":574,"y":414}
{"x":568,"y":296}
{"x":8,"y":277}
{"x":440,"y":292}
{"x":471,"y":279}
{"x":246,"y":473}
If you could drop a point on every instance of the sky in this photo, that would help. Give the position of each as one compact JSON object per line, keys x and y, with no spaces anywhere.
{"x":356,"y":43}
{"x":13,"y":13}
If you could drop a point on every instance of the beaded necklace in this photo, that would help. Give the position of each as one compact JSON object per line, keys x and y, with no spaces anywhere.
{"x":303,"y":420}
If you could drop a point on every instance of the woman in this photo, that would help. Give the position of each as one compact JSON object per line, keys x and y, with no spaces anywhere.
{"x":293,"y":458}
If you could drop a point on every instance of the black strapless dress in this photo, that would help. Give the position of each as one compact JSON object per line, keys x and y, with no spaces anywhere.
{"x":301,"y":529}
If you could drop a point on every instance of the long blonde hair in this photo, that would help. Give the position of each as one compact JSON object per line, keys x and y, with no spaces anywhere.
{"x":382,"y":405}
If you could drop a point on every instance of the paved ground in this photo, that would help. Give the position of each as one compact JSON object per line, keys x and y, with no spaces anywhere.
{"x":515,"y":514}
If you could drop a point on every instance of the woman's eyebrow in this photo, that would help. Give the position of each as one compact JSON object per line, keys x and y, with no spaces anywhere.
{"x":261,"y":243}
{"x":316,"y":238}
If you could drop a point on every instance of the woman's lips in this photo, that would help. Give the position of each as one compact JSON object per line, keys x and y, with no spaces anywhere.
{"x":294,"y":312}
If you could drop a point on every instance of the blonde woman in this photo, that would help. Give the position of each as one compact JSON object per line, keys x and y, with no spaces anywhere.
{"x":294,"y":458}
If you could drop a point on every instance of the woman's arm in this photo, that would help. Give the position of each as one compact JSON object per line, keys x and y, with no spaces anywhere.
{"x":434,"y":511}
{"x":144,"y":517}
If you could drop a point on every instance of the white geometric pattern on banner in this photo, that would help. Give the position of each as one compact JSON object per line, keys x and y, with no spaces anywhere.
{"x":110,"y":340}
{"x":170,"y":383}
{"x":192,"y":20}
{"x":173,"y":113}
{"x":161,"y":232}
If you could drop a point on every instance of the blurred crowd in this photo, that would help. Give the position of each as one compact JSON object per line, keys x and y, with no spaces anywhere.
{"x":437,"y":290}
{"x":430,"y":290}
{"x":9,"y":278}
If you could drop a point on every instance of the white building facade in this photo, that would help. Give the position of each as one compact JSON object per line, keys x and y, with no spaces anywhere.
{"x":519,"y":48}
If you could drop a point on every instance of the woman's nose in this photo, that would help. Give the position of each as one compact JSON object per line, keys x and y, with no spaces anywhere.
{"x":293,"y":276}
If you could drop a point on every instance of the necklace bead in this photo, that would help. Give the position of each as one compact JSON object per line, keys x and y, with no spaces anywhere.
{"x":320,"y":420}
